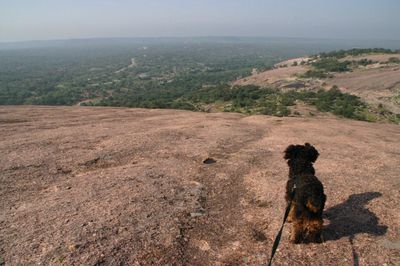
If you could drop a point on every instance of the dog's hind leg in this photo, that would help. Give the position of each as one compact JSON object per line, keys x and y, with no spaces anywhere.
{"x":296,"y":236}
{"x":313,"y":229}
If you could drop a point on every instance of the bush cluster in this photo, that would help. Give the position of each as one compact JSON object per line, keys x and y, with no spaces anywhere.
{"x":253,"y":99}
{"x":354,"y":52}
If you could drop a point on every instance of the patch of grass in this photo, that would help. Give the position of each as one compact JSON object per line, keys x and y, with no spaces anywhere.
{"x":354,"y":52}
{"x":340,"y":104}
{"x":381,"y":112}
{"x":394,"y":118}
{"x":319,"y":74}
{"x":331,"y":65}
{"x":363,"y":62}
{"x":323,"y":67}
{"x":255,"y":100}
{"x":326,"y":63}
{"x":396,"y":98}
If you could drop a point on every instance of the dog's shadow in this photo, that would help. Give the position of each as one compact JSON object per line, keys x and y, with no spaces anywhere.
{"x":352,"y":217}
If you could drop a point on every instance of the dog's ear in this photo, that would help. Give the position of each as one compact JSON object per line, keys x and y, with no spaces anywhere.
{"x":290,"y":152}
{"x":312,"y":153}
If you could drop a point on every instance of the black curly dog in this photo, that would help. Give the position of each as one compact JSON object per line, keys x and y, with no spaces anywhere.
{"x":305,"y":193}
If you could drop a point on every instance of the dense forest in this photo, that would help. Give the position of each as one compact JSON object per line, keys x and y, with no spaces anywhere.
{"x":134,"y":74}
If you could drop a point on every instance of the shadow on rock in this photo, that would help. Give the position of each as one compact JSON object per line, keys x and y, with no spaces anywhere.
{"x":352,"y":217}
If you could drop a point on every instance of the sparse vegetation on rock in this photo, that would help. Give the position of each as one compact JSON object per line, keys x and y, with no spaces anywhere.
{"x":331,"y":65}
{"x":354,"y":52}
{"x":253,"y":99}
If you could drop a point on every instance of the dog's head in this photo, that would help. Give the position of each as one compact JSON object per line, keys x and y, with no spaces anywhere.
{"x":306,"y":152}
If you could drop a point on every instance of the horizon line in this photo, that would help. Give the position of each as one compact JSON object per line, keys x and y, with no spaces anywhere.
{"x":195,"y":37}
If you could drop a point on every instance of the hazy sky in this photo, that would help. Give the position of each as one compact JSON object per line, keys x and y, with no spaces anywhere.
{"x":60,"y":19}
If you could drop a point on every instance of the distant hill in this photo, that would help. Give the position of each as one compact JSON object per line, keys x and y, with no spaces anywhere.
{"x":371,"y":74}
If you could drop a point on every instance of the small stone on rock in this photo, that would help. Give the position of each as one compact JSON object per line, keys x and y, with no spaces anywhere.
{"x":209,"y":161}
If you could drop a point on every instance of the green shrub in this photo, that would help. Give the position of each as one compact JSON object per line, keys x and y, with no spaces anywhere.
{"x":341,"y":104}
{"x":314,"y":74}
{"x":331,"y":65}
{"x":354,"y":52}
{"x":364,"y":62}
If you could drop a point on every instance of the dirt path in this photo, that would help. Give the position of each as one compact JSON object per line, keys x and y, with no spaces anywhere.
{"x":132,"y":64}
{"x":115,"y":186}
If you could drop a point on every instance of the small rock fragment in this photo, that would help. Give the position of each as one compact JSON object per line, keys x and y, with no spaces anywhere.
{"x":203,"y":245}
{"x":209,"y":161}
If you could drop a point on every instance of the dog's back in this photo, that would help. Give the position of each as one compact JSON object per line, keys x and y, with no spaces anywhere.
{"x":309,"y":197}
{"x":304,"y":193}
